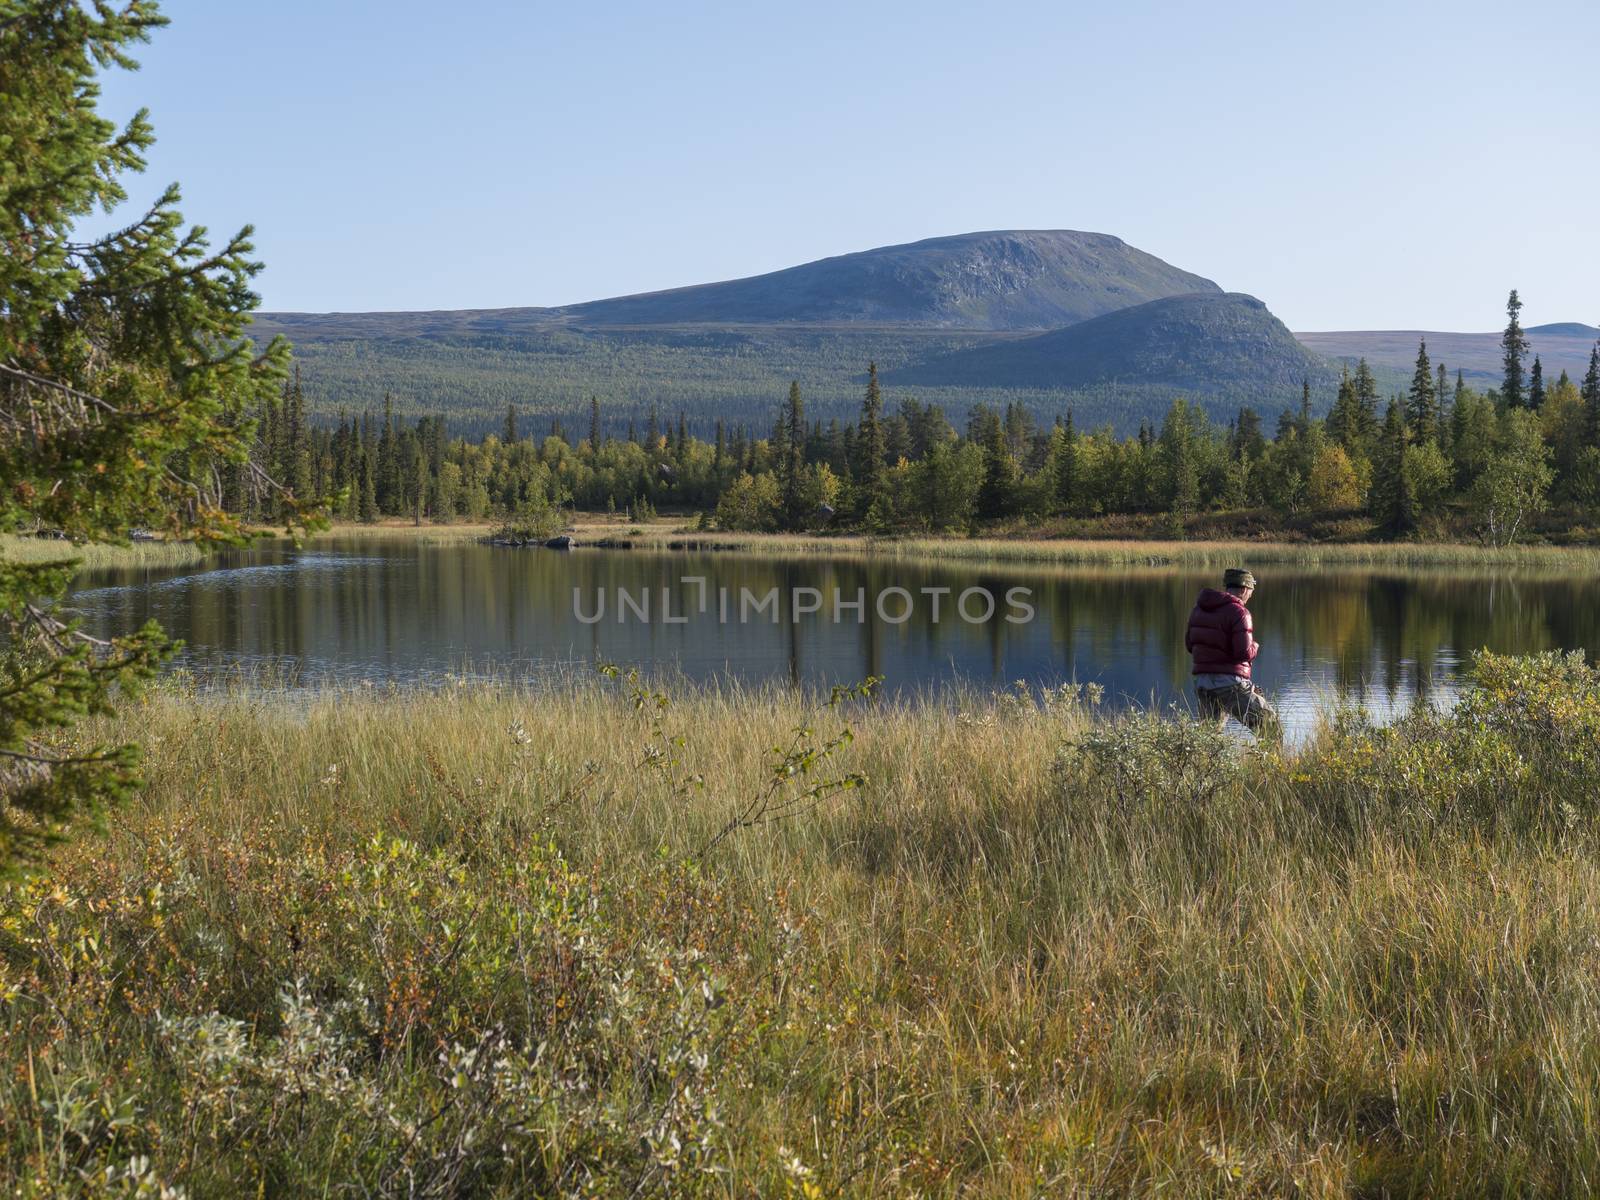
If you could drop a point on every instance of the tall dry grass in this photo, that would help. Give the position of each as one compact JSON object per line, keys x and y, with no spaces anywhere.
{"x":1122,"y":552}
{"x":467,"y":940}
{"x":19,"y":549}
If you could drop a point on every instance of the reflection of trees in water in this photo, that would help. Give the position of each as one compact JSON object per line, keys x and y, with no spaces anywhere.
{"x":429,"y":608}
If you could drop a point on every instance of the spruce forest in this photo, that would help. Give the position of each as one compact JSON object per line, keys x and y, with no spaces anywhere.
{"x":1441,"y":459}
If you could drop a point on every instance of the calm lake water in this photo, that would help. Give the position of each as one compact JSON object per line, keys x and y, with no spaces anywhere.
{"x":378,"y":610}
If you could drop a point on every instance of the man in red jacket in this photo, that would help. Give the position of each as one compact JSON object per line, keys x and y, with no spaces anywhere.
{"x":1221,"y":639}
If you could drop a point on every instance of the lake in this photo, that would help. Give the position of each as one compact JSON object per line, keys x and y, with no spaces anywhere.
{"x":376,"y":609}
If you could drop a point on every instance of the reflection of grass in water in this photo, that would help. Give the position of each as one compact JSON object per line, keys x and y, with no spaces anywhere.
{"x":20,"y":549}
{"x":410,"y":940}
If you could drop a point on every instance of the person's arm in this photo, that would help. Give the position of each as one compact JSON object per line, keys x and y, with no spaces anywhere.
{"x":1241,"y":640}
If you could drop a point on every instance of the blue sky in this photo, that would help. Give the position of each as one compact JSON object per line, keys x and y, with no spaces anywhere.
{"x":1356,"y":165}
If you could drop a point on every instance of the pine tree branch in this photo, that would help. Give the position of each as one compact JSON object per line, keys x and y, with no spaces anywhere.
{"x":28,"y":377}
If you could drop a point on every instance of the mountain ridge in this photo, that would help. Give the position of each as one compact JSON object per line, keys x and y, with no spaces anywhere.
{"x":995,"y":280}
{"x":1560,"y":346}
{"x":1202,"y":343}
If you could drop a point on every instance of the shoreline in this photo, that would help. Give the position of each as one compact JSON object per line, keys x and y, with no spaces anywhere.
{"x":1022,"y":549}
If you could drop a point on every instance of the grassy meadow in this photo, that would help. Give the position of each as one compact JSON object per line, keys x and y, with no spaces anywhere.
{"x":600,"y":941}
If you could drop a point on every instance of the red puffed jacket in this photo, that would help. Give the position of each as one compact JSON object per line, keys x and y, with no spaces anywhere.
{"x":1220,"y":637}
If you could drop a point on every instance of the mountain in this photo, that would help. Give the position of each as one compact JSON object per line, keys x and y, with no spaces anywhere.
{"x":1563,"y":346}
{"x":955,"y":314}
{"x":1004,"y":280}
{"x":1203,"y":344}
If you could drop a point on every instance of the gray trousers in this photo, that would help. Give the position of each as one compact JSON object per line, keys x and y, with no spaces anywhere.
{"x":1243,"y":702}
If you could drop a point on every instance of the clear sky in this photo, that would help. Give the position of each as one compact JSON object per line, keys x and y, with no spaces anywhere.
{"x":1356,"y":165}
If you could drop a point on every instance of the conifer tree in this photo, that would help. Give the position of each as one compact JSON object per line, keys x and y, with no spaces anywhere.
{"x":1249,"y":442}
{"x":295,"y":469}
{"x":998,"y":495}
{"x":1392,"y":501}
{"x":1514,"y":348}
{"x":1366,"y":385}
{"x":1591,"y":395}
{"x":1177,"y":453}
{"x":1536,"y":385}
{"x":1066,"y":468}
{"x":870,"y":446}
{"x":792,"y":467}
{"x":390,"y":499}
{"x":594,"y":424}
{"x":368,"y":508}
{"x":508,"y":435}
{"x":1422,"y":405}
{"x":1441,"y":396}
{"x":126,"y":383}
{"x":1344,"y":418}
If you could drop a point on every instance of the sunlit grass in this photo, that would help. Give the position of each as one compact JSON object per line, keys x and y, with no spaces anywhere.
{"x":1130,"y":552}
{"x":16,"y":548}
{"x":1042,"y":952}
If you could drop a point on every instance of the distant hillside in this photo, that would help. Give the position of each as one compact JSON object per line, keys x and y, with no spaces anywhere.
{"x":1007,"y":280}
{"x":1010,"y":279}
{"x":1561,"y":347}
{"x":1225,"y":345}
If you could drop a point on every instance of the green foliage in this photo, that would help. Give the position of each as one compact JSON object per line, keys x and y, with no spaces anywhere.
{"x":1512,"y":488}
{"x":1333,"y":483}
{"x":126,"y":385}
{"x":1422,"y":404}
{"x":753,"y":504}
{"x":1514,"y":350}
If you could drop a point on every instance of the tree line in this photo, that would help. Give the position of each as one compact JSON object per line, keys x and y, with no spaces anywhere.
{"x":1440,"y":452}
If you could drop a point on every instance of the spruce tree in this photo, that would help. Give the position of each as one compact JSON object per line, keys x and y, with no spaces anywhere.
{"x":508,"y":435}
{"x":1591,"y":395}
{"x":368,"y":505}
{"x":1514,"y":348}
{"x":1391,"y":500}
{"x":295,"y":470}
{"x":1249,"y":442}
{"x":997,"y":497}
{"x":1366,"y":385}
{"x":390,"y":500}
{"x":1066,"y":474}
{"x":1441,"y":394}
{"x":870,"y":447}
{"x":1422,"y":405}
{"x":127,"y":384}
{"x":1176,"y":445}
{"x":1536,"y":385}
{"x":594,"y":424}
{"x":1344,"y":418}
{"x":792,"y":468}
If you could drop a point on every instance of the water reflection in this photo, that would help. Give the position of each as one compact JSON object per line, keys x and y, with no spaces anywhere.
{"x":395,"y":610}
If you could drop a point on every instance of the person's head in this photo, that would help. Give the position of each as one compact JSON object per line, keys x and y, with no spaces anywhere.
{"x":1240,"y":582}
